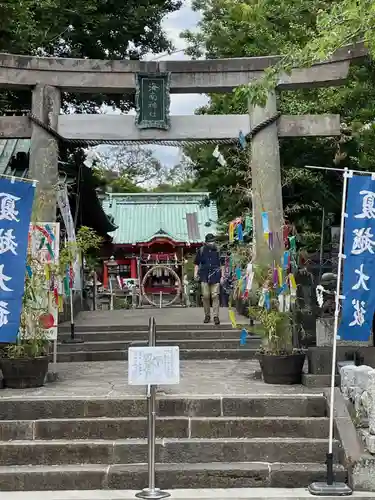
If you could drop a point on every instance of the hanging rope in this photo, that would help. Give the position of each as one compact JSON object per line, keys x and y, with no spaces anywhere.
{"x":189,"y":142}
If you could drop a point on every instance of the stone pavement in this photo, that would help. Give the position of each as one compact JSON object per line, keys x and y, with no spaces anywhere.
{"x":198,"y":378}
{"x":208,"y":494}
{"x":164,"y":316}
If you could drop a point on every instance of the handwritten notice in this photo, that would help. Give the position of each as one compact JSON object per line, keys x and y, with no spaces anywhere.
{"x":154,"y":365}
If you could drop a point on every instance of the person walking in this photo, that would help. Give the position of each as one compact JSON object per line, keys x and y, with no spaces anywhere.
{"x":210,"y":273}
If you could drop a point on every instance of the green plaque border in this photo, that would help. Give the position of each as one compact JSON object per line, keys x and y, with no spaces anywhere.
{"x":157,"y":124}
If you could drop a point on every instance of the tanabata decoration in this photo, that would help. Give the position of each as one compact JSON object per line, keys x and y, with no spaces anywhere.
{"x":293,"y":285}
{"x":219,"y":157}
{"x":236,"y":227}
{"x":280,"y":274}
{"x":267,"y":233}
{"x":239,"y":232}
{"x":243,"y":337}
{"x":232,"y":318}
{"x":293,"y":252}
{"x":265,"y":222}
{"x":242,"y":140}
{"x":292,"y":244}
{"x":267,"y":300}
{"x":231,"y":231}
{"x":248,"y":224}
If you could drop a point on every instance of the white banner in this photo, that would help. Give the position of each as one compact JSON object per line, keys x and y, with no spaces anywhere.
{"x":63,"y":202}
{"x":44,"y":246}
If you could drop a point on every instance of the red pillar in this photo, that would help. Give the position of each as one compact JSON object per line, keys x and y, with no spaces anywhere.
{"x":105,"y":275}
{"x":133,"y":268}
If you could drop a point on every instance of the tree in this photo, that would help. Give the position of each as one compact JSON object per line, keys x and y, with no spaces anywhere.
{"x":130,"y":169}
{"x":181,"y":178}
{"x":317,"y":30}
{"x":230,"y":28}
{"x":135,"y":170}
{"x":98,"y":29}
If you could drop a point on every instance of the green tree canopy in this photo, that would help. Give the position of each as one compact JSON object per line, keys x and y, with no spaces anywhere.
{"x":231,"y":28}
{"x":98,"y":29}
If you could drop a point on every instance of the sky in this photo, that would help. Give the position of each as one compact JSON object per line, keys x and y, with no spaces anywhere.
{"x":181,"y":104}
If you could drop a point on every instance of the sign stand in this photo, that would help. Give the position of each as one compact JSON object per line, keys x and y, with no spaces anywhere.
{"x":330,"y":487}
{"x":151,"y":492}
{"x":152,"y":366}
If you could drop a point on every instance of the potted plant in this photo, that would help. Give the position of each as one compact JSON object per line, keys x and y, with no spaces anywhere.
{"x":279,"y":361}
{"x":25,"y":363}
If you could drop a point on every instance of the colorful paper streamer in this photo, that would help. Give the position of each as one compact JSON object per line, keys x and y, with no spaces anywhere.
{"x":265,"y":222}
{"x":240,"y":232}
{"x":231,"y":231}
{"x":243,"y":337}
{"x":232,"y":318}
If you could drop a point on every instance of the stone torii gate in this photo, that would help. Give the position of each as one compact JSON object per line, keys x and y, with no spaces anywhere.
{"x":46,"y":78}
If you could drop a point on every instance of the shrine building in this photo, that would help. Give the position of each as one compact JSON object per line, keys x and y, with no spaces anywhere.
{"x":156,"y":233}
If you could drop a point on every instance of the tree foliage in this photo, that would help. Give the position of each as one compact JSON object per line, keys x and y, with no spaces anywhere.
{"x":316,"y":30}
{"x":304,"y":31}
{"x":97,"y":29}
{"x":135,"y":169}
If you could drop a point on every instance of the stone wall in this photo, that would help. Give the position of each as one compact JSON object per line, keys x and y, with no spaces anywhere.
{"x":358,"y":386}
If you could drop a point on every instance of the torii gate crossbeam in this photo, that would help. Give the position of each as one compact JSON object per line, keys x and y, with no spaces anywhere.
{"x":47,"y":77}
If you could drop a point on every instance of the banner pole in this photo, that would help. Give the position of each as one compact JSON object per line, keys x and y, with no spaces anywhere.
{"x":331,"y":487}
{"x":73,"y":339}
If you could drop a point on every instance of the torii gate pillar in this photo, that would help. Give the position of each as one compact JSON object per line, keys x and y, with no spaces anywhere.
{"x":44,"y":151}
{"x":266,"y":182}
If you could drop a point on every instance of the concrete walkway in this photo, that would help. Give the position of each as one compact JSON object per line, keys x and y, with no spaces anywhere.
{"x":214,"y":494}
{"x":164,"y":316}
{"x":198,"y":378}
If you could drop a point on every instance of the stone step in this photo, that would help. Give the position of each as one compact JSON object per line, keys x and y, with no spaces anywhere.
{"x":168,"y":476}
{"x":85,"y":328}
{"x":294,"y":405}
{"x":210,"y":344}
{"x":128,"y":451}
{"x":172,"y":427}
{"x":64,"y":356}
{"x":161,"y":335}
{"x":185,"y":494}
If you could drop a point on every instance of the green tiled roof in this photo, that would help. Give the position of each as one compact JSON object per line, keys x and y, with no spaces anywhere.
{"x":142,"y":216}
{"x":10,"y":148}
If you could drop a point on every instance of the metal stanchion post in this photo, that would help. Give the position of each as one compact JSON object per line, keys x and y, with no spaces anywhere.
{"x":94,"y":279}
{"x":151,"y":492}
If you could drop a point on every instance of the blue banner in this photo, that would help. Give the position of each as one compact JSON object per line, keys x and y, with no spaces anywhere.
{"x":16,"y":201}
{"x":358,"y":288}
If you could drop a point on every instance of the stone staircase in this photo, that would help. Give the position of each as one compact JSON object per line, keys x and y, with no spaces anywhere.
{"x":205,"y":442}
{"x":110,"y":343}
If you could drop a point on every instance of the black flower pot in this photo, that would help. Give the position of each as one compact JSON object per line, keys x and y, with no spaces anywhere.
{"x":23,"y":373}
{"x":282,"y":369}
